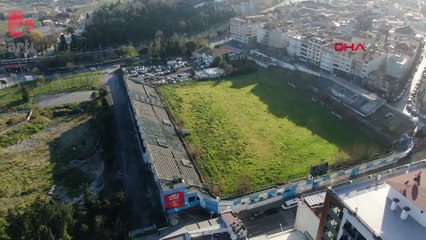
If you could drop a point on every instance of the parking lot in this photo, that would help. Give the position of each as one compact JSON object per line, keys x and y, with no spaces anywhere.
{"x":268,"y":223}
{"x":175,"y":71}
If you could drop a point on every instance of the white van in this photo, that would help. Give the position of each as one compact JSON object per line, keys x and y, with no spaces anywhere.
{"x":290,"y":203}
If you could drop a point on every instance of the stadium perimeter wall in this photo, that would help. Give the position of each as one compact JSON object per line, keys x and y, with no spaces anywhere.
{"x":290,"y":190}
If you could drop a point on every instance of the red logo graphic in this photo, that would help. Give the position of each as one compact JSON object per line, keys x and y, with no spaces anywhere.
{"x":174,"y":200}
{"x":16,"y":20}
{"x":342,"y":47}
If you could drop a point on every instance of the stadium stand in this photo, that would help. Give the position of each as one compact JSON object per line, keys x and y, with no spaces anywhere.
{"x":166,"y":152}
{"x":359,"y":100}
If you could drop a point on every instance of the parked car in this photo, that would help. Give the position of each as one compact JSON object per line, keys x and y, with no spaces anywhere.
{"x":256,"y":215}
{"x":290,"y":203}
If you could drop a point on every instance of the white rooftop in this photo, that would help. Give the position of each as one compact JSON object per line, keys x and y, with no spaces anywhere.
{"x":286,"y":235}
{"x":373,"y":207}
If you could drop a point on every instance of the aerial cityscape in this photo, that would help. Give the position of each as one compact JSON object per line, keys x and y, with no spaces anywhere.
{"x":213,"y":119}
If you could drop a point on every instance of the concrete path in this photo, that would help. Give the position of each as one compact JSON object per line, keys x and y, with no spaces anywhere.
{"x":64,"y":98}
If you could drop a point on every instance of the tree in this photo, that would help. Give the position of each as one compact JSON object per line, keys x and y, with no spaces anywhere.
{"x":74,"y":43}
{"x":25,"y":94}
{"x":41,"y":80}
{"x":43,"y":219}
{"x":216,"y":61}
{"x":155,"y":48}
{"x":103,"y":92}
{"x":36,"y":36}
{"x":190,"y":47}
{"x":62,"y":43}
{"x":128,"y":51}
{"x":70,"y":30}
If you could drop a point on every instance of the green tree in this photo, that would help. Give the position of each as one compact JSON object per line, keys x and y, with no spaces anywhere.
{"x":43,"y":219}
{"x":74,"y":43}
{"x":190,"y":47}
{"x":62,"y":43}
{"x":128,"y":51}
{"x":25,"y":94}
{"x":217,"y":60}
{"x":70,"y":30}
{"x":41,"y":80}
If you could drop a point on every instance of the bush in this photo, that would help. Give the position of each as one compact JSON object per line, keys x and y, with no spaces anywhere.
{"x":41,"y":80}
{"x":25,"y":94}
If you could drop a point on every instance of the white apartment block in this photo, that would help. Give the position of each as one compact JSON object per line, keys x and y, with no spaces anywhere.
{"x":321,"y":53}
{"x":306,"y":50}
{"x":244,"y":29}
{"x":275,"y":37}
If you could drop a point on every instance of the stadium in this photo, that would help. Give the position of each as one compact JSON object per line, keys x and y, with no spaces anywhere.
{"x":181,"y":184}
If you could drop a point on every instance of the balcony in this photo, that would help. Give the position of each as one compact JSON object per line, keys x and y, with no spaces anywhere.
{"x":335,"y":216}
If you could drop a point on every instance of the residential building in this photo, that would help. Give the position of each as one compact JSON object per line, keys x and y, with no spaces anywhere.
{"x":244,"y":29}
{"x":389,"y":210}
{"x":307,"y":48}
{"x":396,"y":66}
{"x":272,"y":35}
{"x":415,"y":20}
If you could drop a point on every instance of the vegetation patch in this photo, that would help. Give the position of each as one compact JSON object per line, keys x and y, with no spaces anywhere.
{"x":254,"y":131}
{"x":11,"y":98}
{"x":49,"y":149}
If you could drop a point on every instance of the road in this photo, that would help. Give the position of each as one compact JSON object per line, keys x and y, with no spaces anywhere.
{"x":268,"y":224}
{"x":138,"y":184}
{"x":402,"y":104}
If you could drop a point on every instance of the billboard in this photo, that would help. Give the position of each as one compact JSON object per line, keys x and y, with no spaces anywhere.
{"x":174,"y":200}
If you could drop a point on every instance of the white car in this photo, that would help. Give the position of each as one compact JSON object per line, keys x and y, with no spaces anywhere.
{"x":290,"y":203}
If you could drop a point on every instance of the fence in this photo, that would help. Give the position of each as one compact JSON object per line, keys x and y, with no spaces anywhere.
{"x":311,"y":184}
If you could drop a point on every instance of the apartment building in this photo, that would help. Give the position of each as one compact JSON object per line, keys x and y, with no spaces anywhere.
{"x":415,"y":20}
{"x":244,"y":29}
{"x":379,"y":208}
{"x":307,"y":48}
{"x":273,"y":35}
{"x":396,"y":66}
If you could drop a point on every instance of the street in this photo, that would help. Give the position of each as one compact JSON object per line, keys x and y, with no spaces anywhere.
{"x":268,"y":224}
{"x":402,"y":103}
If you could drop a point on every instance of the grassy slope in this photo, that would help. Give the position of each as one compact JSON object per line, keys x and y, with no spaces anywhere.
{"x":255,"y":128}
{"x":75,"y":82}
{"x":30,"y":168}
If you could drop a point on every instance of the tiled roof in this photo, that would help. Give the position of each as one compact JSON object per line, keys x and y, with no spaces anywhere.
{"x":412,"y":186}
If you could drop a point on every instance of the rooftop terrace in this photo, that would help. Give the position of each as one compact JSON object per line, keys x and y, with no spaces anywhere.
{"x":369,"y":200}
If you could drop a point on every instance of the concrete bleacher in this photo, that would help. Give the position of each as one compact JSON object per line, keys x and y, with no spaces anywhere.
{"x":361,"y":101}
{"x":396,"y":125}
{"x":166,"y":150}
